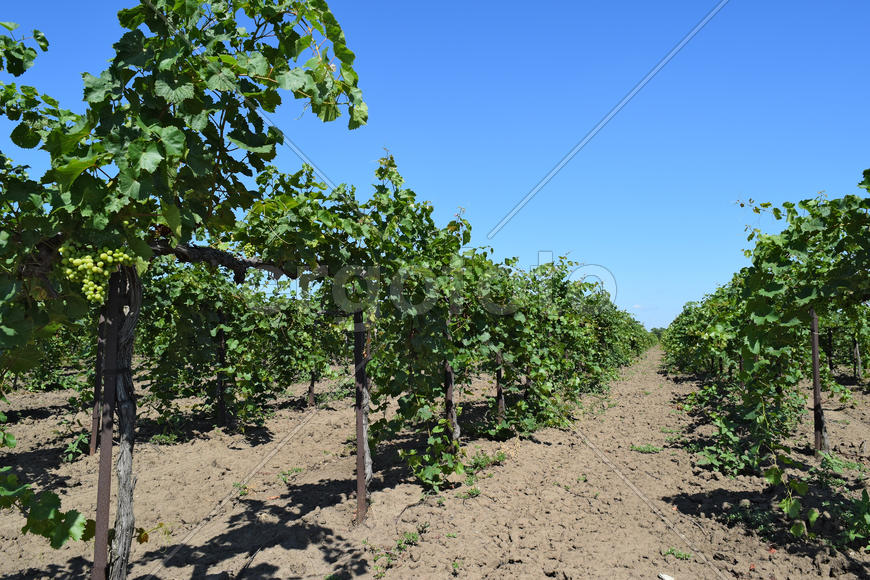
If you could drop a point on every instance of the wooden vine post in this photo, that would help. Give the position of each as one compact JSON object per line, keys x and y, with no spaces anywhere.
{"x":499,"y":387}
{"x":450,"y":402}
{"x":361,"y":407}
{"x":98,"y":382}
{"x":122,"y":314}
{"x":111,"y":325}
{"x":220,"y":394}
{"x":313,"y":381}
{"x":856,"y":348}
{"x":820,"y":431}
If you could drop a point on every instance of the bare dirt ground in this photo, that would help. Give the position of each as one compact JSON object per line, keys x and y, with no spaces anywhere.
{"x":278,"y":502}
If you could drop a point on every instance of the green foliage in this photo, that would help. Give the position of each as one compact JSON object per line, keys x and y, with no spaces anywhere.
{"x":679,"y":555}
{"x":171,"y":154}
{"x":481,"y":460}
{"x":407,"y":539}
{"x":164,"y":438}
{"x":646,"y":448}
{"x":241,"y":489}
{"x":62,"y":354}
{"x":42,"y":512}
{"x":156,"y":159}
{"x":16,"y":56}
{"x":438,"y":459}
{"x":857,"y":521}
{"x":77,"y":447}
{"x":759,"y":520}
{"x":195,"y":317}
{"x":7,"y":439}
{"x":170,"y":131}
{"x":749,"y":342}
{"x":730,"y":453}
{"x":287,"y":474}
{"x":385,"y":558}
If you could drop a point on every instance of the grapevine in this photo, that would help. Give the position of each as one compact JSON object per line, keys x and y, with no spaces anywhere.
{"x":754,"y":342}
{"x":158,"y":144}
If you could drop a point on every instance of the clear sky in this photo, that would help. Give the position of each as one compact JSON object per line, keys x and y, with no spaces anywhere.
{"x":479,"y":100}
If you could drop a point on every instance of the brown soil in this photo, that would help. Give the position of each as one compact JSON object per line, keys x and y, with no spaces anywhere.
{"x":575,"y":503}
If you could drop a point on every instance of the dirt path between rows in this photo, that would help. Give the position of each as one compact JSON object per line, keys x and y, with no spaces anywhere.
{"x":579,"y":503}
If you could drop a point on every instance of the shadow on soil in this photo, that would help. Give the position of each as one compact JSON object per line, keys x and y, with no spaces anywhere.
{"x":281,"y":523}
{"x":75,"y":568}
{"x":755,"y":513}
{"x":264,"y":525}
{"x":190,"y":425}
{"x":14,"y":416}
{"x":37,"y":467}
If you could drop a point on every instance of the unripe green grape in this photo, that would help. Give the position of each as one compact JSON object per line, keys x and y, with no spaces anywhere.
{"x":90,"y":270}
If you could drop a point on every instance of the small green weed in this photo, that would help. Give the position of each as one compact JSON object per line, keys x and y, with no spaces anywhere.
{"x":471,"y":493}
{"x":677,"y":554}
{"x":407,"y":539}
{"x":285,"y":475}
{"x":752,"y":519}
{"x":241,"y":489}
{"x":481,"y":461}
{"x":385,"y":559}
{"x":164,"y":438}
{"x":77,"y":447}
{"x":646,"y":448}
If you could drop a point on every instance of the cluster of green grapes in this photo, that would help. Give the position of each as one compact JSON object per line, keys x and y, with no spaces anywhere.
{"x":92,"y":270}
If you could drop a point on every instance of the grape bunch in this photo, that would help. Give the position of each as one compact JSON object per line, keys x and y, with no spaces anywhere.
{"x":92,"y":269}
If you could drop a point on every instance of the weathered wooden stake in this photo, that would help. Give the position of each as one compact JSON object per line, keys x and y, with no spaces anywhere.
{"x":499,"y":388}
{"x":361,"y":407}
{"x":311,"y":398}
{"x":111,"y":324}
{"x":449,"y":400}
{"x":829,"y":351}
{"x":124,"y":302}
{"x":821,"y":432}
{"x":220,"y":394}
{"x":98,"y":382}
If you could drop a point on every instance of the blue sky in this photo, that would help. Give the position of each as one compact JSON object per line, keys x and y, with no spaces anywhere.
{"x":478,"y":101}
